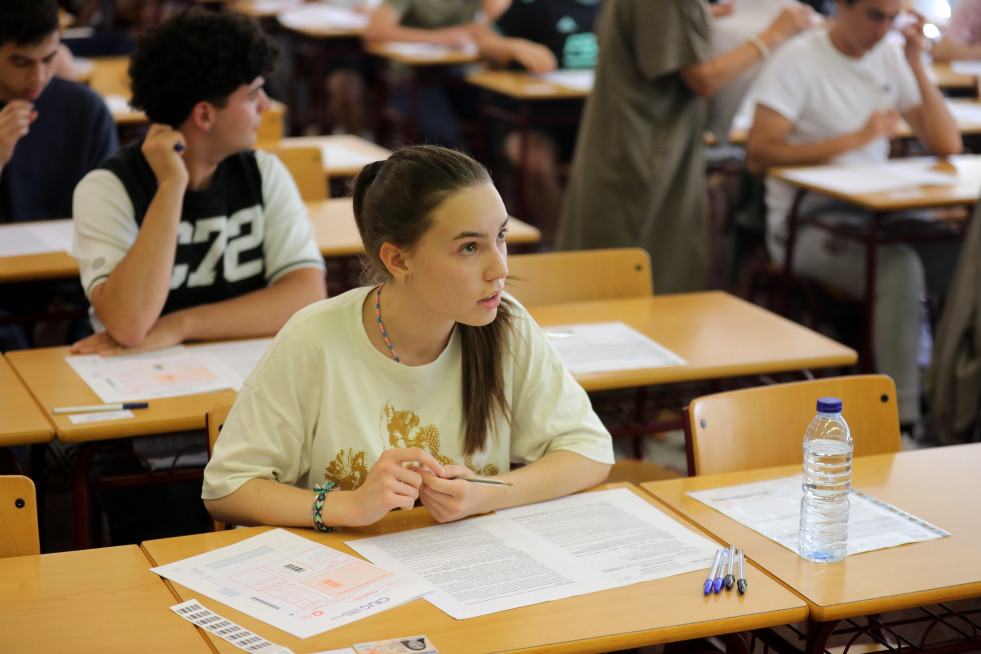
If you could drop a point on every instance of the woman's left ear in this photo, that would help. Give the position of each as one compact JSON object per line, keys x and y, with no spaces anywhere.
{"x":395,"y":262}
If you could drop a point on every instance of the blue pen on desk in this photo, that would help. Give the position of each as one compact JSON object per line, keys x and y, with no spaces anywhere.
{"x":711,"y":577}
{"x":719,"y":581}
{"x":741,"y":584}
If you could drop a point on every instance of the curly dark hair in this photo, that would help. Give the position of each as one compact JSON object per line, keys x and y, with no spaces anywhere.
{"x":26,"y":22}
{"x":195,"y":56}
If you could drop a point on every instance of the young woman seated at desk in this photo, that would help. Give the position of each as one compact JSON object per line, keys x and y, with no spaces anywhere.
{"x":409,"y":389}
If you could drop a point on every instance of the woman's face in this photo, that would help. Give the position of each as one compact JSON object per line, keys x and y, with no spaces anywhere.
{"x":459,"y":265}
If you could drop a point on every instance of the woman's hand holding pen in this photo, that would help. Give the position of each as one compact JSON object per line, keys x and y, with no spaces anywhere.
{"x":389,"y":485}
{"x":450,"y":497}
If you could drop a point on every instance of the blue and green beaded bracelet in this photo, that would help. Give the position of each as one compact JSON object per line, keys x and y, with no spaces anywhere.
{"x":318,"y":505}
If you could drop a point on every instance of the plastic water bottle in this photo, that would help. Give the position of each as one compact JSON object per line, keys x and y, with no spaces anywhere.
{"x":826,"y":483}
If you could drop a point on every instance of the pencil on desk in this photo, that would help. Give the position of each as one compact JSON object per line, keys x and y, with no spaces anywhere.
{"x":92,"y":408}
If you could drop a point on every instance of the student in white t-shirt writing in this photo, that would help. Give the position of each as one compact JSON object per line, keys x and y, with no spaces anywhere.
{"x":836,"y":95}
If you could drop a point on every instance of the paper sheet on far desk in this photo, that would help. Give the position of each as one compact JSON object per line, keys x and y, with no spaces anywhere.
{"x":293,"y":583}
{"x":240,"y":357}
{"x":165,"y":373}
{"x":606,"y":346}
{"x":966,"y":67}
{"x":338,"y":155}
{"x":856,"y":179}
{"x":772,"y":508}
{"x":322,"y":16}
{"x":37,"y":237}
{"x":581,"y":80}
{"x":541,"y":552}
{"x":427,"y":50}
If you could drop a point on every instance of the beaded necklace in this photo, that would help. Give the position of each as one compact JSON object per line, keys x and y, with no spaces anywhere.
{"x":381,"y":325}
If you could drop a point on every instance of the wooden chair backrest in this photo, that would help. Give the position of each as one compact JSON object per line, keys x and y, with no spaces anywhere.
{"x":271,"y":123}
{"x":583,"y":275}
{"x":214,"y":420}
{"x":18,"y":517}
{"x":764,"y":426}
{"x":306,"y":165}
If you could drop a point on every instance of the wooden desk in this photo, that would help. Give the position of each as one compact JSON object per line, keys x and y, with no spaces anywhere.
{"x":939,"y":485}
{"x":719,"y":335}
{"x":660,"y":611}
{"x":416,"y":71}
{"x":103,"y":600}
{"x":968,"y":125}
{"x":23,"y":422}
{"x":949,"y":80}
{"x":313,"y":44}
{"x":523,"y":86}
{"x":963,"y":193}
{"x":529,"y":101}
{"x":53,"y":383}
{"x":36,"y":267}
{"x":109,"y":76}
{"x":337,"y":233}
{"x":449,"y":57}
{"x":359,"y":152}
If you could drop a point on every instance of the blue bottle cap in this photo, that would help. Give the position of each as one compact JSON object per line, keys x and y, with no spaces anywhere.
{"x":829,"y":405}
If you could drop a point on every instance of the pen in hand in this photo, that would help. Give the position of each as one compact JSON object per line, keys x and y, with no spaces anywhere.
{"x":715,"y":567}
{"x":482,"y":480}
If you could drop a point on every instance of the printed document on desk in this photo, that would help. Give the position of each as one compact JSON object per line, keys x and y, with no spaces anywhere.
{"x":772,"y":508}
{"x":857,"y":179}
{"x":606,"y":346}
{"x":541,"y":552}
{"x":580,"y":80}
{"x":320,"y":16}
{"x":165,"y":373}
{"x":293,"y":583}
{"x":38,"y":237}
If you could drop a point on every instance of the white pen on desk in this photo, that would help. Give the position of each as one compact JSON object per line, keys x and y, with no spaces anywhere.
{"x":730,"y":580}
{"x":741,"y":584}
{"x":92,"y":408}
{"x":482,"y":480}
{"x":560,"y":333}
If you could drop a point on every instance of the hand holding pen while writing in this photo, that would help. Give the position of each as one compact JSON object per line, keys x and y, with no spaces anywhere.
{"x":451,"y":496}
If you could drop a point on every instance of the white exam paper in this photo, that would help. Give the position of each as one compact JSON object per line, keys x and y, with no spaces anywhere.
{"x":427,"y":50}
{"x":38,"y":237}
{"x":293,"y":583}
{"x":99,"y":416}
{"x":581,"y":80}
{"x":322,"y":17}
{"x":338,"y":155}
{"x":541,"y":552}
{"x":966,"y":67}
{"x":606,"y":346}
{"x":238,"y":356}
{"x":772,"y":508}
{"x":855,"y":179}
{"x":152,"y":375}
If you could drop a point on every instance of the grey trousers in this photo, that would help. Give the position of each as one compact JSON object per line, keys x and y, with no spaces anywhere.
{"x":904,"y":273}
